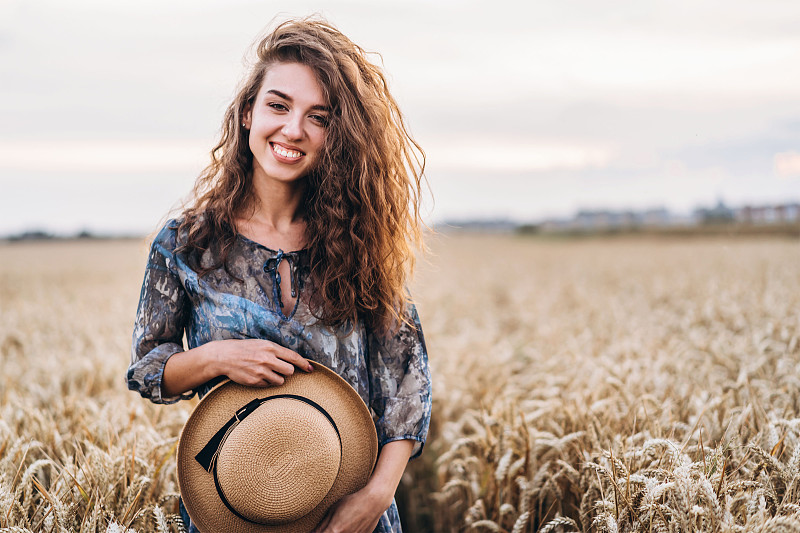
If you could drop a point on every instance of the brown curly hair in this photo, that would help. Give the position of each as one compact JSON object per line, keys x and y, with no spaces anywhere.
{"x":361,"y":204}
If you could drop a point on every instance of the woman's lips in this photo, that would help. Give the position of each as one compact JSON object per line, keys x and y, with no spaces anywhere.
{"x":284,"y":154}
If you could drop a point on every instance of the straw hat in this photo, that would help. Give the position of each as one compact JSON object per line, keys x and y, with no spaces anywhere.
{"x":274,"y":459}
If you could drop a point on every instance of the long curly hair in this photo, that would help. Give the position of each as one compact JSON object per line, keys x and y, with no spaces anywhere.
{"x":362,"y":200}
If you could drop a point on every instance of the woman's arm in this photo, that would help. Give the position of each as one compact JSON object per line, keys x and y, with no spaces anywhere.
{"x":400,"y":394}
{"x":160,"y":319}
{"x":253,"y":362}
{"x":400,"y":382}
{"x":360,"y":512}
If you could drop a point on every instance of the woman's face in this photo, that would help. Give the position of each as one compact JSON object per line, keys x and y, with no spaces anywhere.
{"x":287,"y":123}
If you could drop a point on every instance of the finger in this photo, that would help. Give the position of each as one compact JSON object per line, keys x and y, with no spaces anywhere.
{"x":290,"y":356}
{"x":280,"y":366}
{"x":273,"y":378}
{"x":296,"y":359}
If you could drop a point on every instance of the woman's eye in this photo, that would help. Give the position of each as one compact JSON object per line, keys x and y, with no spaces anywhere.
{"x":278,"y":106}
{"x":320,"y":120}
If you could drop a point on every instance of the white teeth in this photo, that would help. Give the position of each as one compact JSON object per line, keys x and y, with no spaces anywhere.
{"x":286,"y":153}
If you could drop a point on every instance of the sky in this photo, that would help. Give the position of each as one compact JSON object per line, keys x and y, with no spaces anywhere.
{"x":527,"y":109}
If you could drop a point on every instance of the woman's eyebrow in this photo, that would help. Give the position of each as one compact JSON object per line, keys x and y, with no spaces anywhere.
{"x":280,"y":94}
{"x":288,"y":98}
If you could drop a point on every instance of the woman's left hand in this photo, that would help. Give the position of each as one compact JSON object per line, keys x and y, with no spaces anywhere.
{"x":360,"y":512}
{"x":357,"y":513}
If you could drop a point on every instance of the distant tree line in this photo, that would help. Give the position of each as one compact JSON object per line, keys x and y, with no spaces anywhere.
{"x":40,"y":235}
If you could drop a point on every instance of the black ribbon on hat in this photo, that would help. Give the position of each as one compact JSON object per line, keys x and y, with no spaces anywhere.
{"x":207,"y":457}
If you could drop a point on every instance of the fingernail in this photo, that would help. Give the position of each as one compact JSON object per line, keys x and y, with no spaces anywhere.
{"x":310,"y":368}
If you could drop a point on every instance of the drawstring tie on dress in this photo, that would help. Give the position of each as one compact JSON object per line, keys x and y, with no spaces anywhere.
{"x":271,"y":267}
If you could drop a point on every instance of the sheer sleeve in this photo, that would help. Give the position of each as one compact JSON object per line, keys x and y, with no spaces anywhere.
{"x":400,"y":383}
{"x":160,"y":319}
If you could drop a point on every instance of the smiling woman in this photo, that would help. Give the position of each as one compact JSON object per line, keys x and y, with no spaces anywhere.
{"x":297,"y":248}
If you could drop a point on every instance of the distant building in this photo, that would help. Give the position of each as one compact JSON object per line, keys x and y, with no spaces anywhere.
{"x":604,"y":220}
{"x":769,"y":214}
{"x":600,"y":220}
{"x":592,"y":220}
{"x":720,"y":214}
{"x":657,"y":217}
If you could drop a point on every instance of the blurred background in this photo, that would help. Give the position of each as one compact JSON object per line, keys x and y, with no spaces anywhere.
{"x":549,"y":114}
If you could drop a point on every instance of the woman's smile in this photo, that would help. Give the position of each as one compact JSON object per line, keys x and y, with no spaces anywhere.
{"x":286,"y":154}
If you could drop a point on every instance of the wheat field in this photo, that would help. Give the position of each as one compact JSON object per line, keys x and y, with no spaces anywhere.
{"x":623,"y":384}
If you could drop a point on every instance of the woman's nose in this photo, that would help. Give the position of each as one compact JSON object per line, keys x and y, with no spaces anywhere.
{"x":293,"y":128}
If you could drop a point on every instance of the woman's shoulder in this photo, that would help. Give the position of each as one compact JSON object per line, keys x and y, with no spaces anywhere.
{"x":167,"y":236}
{"x":176,"y":230}
{"x":190,"y":238}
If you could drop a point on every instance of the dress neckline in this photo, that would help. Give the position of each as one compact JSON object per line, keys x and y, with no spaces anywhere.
{"x":272,"y":250}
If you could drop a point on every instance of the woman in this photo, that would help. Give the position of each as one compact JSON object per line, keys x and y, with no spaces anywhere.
{"x":297,"y":247}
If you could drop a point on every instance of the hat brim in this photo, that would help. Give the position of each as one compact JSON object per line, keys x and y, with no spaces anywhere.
{"x":359,"y":442}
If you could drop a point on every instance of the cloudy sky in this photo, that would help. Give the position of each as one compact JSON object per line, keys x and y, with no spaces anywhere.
{"x":527,"y":109}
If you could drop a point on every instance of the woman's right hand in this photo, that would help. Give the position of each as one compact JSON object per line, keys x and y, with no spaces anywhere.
{"x":253,"y":362}
{"x":256,"y":362}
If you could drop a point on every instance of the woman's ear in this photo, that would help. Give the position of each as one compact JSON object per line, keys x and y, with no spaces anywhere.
{"x":247,"y":115}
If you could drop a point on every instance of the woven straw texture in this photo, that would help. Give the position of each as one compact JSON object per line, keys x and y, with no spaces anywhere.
{"x":284,"y":465}
{"x":268,"y":459}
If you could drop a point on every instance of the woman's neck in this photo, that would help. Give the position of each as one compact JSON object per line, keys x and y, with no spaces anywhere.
{"x":278,"y":202}
{"x":275,"y":218}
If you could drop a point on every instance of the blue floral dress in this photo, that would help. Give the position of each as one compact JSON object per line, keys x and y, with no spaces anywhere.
{"x":390,"y":372}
